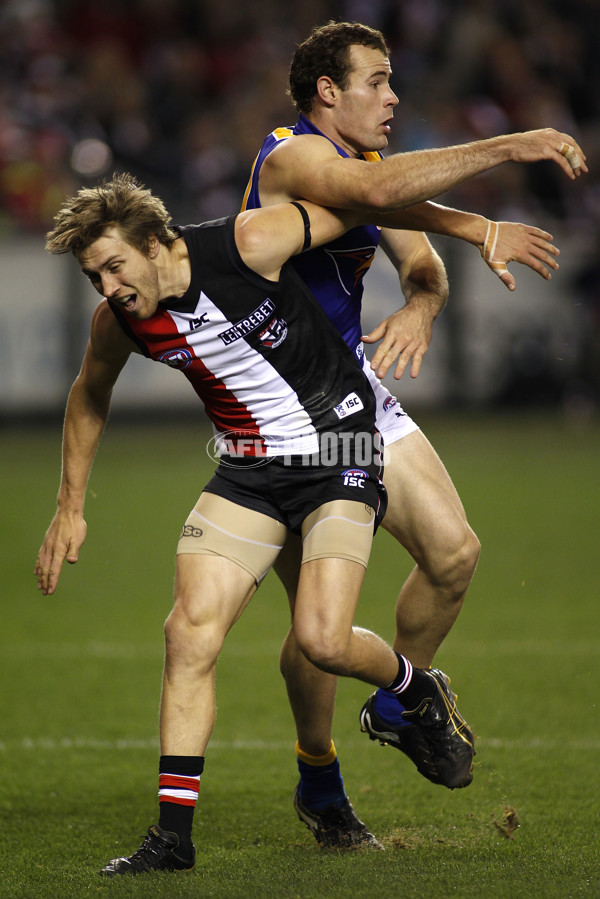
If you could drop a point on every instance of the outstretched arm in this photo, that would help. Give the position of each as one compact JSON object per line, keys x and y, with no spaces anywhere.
{"x":85,"y":417}
{"x":309,"y":167}
{"x":267,"y":237}
{"x":498,"y":242}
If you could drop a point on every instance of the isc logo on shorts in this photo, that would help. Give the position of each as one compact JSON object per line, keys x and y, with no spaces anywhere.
{"x":190,"y":531}
{"x":354,"y":477}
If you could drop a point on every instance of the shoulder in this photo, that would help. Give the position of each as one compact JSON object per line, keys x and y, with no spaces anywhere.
{"x":107,"y":338}
{"x":208,"y":243}
{"x":103,"y":321}
{"x":289,"y":168}
{"x":302,"y":148}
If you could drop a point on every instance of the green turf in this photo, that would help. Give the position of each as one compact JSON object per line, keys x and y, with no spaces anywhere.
{"x":80,"y":675}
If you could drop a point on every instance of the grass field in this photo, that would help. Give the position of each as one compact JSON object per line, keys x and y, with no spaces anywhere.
{"x":80,"y":675}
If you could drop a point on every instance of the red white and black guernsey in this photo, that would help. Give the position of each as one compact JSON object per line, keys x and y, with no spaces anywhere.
{"x":261,"y":355}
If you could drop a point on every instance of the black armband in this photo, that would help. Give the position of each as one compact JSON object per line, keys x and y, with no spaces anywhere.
{"x":306,"y":220}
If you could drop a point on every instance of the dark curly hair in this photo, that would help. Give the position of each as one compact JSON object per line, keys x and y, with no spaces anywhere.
{"x":326,"y":52}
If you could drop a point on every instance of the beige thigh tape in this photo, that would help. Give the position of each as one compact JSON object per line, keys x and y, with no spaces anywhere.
{"x":341,"y":529}
{"x":218,"y":527}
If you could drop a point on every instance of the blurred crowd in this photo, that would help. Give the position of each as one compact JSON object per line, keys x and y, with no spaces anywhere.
{"x":182,"y":92}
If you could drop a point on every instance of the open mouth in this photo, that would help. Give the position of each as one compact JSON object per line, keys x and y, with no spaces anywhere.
{"x":128,"y":303}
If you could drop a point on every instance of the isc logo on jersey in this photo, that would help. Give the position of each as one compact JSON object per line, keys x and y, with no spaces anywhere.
{"x":177,"y":358}
{"x":354,"y":477}
{"x":351,"y":403}
{"x":388,"y":402}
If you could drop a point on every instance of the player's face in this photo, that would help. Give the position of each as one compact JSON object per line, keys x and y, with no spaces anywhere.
{"x":364,"y":111}
{"x":121,"y":273}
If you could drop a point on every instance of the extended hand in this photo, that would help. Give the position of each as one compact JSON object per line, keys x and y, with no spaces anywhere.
{"x":513,"y":242}
{"x":62,"y":542}
{"x":546,"y":143}
{"x":405,"y":335}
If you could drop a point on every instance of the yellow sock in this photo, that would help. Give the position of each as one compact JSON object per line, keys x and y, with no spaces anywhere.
{"x":318,"y":760}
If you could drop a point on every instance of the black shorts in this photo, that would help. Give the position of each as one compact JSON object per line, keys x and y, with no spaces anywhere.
{"x":288,"y":492}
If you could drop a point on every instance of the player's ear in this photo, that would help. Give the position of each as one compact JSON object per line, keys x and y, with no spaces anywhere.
{"x":327,"y":90}
{"x":153,"y":247}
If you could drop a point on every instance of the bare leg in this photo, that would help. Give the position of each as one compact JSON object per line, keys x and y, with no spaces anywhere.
{"x":320,"y":800}
{"x":211,"y":593}
{"x":426,"y":516}
{"x":311,"y":692}
{"x":328,"y":593}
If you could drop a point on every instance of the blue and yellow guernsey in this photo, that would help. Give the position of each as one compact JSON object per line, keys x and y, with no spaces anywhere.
{"x":333,"y":272}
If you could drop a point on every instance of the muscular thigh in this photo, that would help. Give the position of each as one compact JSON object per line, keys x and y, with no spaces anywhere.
{"x":424,"y":510}
{"x":211,"y":591}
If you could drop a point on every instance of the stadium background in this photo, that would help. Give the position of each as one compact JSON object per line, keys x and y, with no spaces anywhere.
{"x":182,"y":94}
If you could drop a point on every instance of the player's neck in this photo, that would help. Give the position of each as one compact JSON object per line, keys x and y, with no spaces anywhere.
{"x":174,"y":270}
{"x":326,"y":126}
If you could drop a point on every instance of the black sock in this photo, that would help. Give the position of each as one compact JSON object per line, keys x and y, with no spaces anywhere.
{"x":179,"y":783}
{"x":411,"y":685}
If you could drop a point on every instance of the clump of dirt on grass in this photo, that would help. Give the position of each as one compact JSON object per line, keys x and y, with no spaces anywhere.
{"x":399,"y":840}
{"x":507,"y":822}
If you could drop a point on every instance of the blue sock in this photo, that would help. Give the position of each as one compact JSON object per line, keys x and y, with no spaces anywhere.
{"x":321,"y":784}
{"x":389,"y":707}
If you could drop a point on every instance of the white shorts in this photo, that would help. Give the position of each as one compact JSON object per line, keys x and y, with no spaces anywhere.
{"x":392,"y":421}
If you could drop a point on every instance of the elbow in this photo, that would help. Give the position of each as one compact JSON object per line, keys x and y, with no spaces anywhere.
{"x":377,"y":199}
{"x":248,"y":236}
{"x":444,"y":289}
{"x":440,"y":288}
